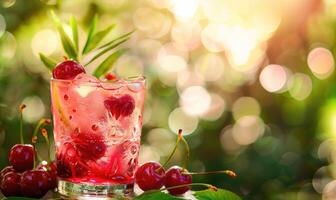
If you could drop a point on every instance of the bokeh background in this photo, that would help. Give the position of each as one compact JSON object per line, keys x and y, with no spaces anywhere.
{"x":251,"y":82}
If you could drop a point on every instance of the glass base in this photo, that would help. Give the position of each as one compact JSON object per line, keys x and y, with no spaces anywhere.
{"x":92,"y":191}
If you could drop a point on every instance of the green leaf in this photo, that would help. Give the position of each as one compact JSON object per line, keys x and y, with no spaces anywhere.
{"x":48,"y":62}
{"x":68,"y":46}
{"x":107,"y":64}
{"x":106,"y":50}
{"x":156,"y":196}
{"x":74,"y":28}
{"x":98,"y":37}
{"x":116,"y":39}
{"x":92,"y":30}
{"x":216,"y":195}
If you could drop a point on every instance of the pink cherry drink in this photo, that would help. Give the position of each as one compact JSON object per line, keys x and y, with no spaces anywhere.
{"x":97,"y":129}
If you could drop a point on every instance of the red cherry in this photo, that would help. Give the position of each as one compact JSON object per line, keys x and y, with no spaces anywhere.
{"x":111,"y":76}
{"x":123,"y":106}
{"x":35,"y":183}
{"x":67,"y":70}
{"x":68,"y":162}
{"x":150,"y":176}
{"x":5,"y":170}
{"x":175,"y":177}
{"x":10,"y":184}
{"x":21,"y":157}
{"x":89,"y":145}
{"x":127,"y":105}
{"x":52,"y":170}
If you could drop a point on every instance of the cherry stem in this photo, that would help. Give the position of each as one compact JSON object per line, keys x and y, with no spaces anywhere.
{"x":191,"y":184}
{"x":39,"y":125}
{"x":179,"y":138}
{"x":211,"y":187}
{"x":38,"y":157}
{"x":186,"y":145}
{"x":45,"y":135}
{"x":21,"y":108}
{"x":227,"y":172}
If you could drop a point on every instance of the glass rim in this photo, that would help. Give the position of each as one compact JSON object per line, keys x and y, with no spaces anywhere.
{"x":123,"y":81}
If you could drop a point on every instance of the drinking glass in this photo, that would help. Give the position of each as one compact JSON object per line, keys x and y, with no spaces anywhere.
{"x":97,"y":129}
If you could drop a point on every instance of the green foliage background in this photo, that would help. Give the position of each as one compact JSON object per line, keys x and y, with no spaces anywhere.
{"x":279,"y":165}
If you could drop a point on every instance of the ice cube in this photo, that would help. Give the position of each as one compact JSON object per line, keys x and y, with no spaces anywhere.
{"x":85,"y":84}
{"x":135,"y":87}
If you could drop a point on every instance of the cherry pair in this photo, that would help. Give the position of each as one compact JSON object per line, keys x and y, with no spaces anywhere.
{"x":152,"y":176}
{"x":177,"y":180}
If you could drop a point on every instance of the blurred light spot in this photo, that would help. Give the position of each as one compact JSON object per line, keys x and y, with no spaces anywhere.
{"x":172,"y":63}
{"x":186,"y":35}
{"x":321,"y":62}
{"x":329,"y":191}
{"x":328,"y":118}
{"x":172,"y":49}
{"x":216,"y":10}
{"x":245,"y":106}
{"x":129,"y":66}
{"x":2,"y":25}
{"x":184,"y":10}
{"x":35,"y":109}
{"x":300,"y":86}
{"x":216,"y":109}
{"x":187,"y":78}
{"x":231,"y":79}
{"x":326,"y":148}
{"x":212,"y":37}
{"x":45,"y":41}
{"x":8,"y":46}
{"x":179,"y":119}
{"x":250,"y":63}
{"x":209,"y":66}
{"x":321,"y":178}
{"x":227,"y":141}
{"x":153,"y":22}
{"x":149,"y":48}
{"x":168,"y":78}
{"x":240,"y":42}
{"x":273,"y":78}
{"x":162,"y":139}
{"x":172,"y":59}
{"x":247,"y":130}
{"x":8,"y":3}
{"x":195,"y":100}
{"x":148,"y":153}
